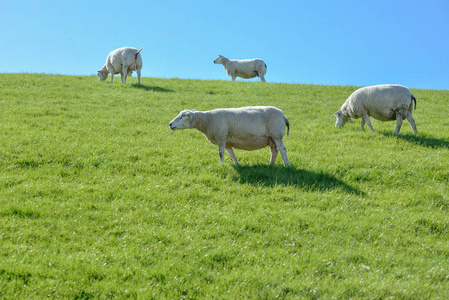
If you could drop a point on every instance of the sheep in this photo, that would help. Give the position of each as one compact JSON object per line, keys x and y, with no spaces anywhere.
{"x":246,"y":128}
{"x":385,"y":102}
{"x":245,"y":68}
{"x":124,"y":61}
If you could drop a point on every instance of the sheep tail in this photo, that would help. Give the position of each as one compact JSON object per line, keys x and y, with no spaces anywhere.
{"x":287,"y":123}
{"x":137,"y":53}
{"x":414,"y":99}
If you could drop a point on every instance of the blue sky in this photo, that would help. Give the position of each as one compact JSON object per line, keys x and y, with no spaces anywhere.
{"x":319,"y":42}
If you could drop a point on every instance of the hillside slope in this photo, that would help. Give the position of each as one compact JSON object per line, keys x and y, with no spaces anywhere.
{"x":100,"y":199}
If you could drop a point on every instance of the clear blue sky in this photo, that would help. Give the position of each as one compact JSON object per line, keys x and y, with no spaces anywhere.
{"x":319,"y":42}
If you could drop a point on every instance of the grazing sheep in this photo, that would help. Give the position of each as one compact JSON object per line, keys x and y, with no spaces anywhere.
{"x":247,"y":128}
{"x":386,"y":102}
{"x":245,"y":68}
{"x":124,"y":61}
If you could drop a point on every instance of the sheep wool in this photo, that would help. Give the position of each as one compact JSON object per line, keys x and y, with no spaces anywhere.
{"x":245,"y":68}
{"x":124,"y":61}
{"x":246,"y":128}
{"x":386,"y":102}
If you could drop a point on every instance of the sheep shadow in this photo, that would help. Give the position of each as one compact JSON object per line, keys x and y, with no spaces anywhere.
{"x":269,"y":175}
{"x":152,"y":88}
{"x":421,"y":140}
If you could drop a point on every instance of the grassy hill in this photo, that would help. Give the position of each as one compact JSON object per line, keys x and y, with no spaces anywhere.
{"x":100,"y":199}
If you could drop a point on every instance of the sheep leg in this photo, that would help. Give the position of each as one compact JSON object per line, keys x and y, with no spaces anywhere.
{"x":368,"y":121}
{"x":124,"y":74}
{"x":399,"y":124}
{"x":232,"y":155}
{"x":262,"y":78}
{"x":112,"y":77}
{"x":138,"y":75}
{"x":281,"y":147}
{"x":274,"y":154}
{"x":233,"y":77}
{"x":363,"y":125}
{"x":412,"y":123}
{"x":221,"y":150}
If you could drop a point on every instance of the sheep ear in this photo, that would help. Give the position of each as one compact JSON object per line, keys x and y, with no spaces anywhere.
{"x":191,"y":113}
{"x":337,"y":113}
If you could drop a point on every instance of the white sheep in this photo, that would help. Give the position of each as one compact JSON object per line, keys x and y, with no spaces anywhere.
{"x":124,"y":61}
{"x":247,"y":128}
{"x":245,"y":68}
{"x":386,"y":102}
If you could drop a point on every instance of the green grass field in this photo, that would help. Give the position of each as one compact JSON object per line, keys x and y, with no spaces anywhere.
{"x":99,"y":199}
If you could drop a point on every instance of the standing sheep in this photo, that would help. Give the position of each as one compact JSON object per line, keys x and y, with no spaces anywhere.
{"x":245,"y":68}
{"x":246,"y":128}
{"x":124,"y":61}
{"x":386,"y":102}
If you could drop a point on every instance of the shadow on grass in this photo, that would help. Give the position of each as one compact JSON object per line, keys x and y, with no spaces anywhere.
{"x":421,"y":140}
{"x":269,"y":175}
{"x":152,"y":88}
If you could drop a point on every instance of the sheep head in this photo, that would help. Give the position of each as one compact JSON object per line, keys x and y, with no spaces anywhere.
{"x":342,"y":119}
{"x":183,"y":120}
{"x":219,"y":59}
{"x":103,"y":74}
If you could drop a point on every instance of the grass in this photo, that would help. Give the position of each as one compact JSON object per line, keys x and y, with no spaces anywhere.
{"x":100,"y":199}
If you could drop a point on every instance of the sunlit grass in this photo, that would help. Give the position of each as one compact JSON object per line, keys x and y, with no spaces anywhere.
{"x":100,"y":199}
